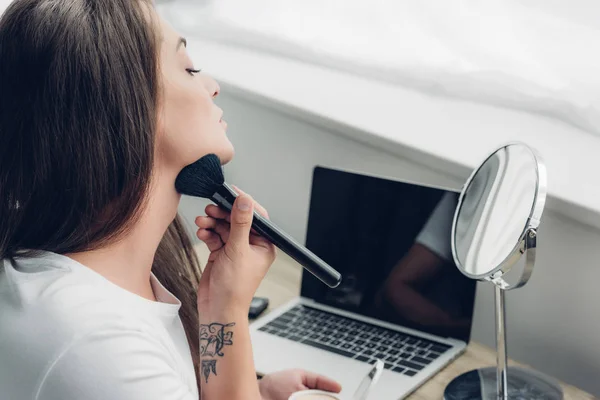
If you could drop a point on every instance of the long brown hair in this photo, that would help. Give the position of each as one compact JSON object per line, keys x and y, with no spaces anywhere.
{"x":79,"y":92}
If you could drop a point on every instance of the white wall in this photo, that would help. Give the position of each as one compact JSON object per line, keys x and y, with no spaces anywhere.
{"x":553,"y":322}
{"x":581,"y":11}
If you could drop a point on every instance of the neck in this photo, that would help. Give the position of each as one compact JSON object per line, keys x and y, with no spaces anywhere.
{"x":128,"y":261}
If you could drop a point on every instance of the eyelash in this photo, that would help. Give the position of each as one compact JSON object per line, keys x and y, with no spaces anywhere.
{"x":192,"y":71}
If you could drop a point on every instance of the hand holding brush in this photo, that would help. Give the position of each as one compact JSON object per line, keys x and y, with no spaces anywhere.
{"x":205,"y":179}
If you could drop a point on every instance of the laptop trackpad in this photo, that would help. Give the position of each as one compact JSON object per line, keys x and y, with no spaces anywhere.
{"x":272,"y":353}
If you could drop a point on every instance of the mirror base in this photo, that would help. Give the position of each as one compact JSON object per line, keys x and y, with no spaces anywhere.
{"x":523,"y":384}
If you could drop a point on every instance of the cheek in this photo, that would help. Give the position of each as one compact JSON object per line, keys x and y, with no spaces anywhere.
{"x":189,"y":127}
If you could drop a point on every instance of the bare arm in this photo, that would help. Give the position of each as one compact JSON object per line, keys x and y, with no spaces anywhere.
{"x":226,"y":357}
{"x":418,"y":267}
{"x":237,"y":263}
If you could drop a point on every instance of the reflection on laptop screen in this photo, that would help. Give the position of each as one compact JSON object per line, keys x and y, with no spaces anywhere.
{"x":391,"y":242}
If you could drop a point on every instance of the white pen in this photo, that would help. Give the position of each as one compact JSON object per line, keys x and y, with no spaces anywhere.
{"x":369,"y":381}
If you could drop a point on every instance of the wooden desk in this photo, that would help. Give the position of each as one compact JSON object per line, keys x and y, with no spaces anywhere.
{"x":282,"y":283}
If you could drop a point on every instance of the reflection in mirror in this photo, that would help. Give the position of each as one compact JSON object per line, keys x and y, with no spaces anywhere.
{"x":494,"y":210}
{"x":397,"y":263}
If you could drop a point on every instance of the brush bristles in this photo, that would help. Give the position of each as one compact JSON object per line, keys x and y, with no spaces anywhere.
{"x":202,"y":178}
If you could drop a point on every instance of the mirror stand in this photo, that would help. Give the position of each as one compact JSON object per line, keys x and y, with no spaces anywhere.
{"x":502,"y":382}
{"x":501,"y":357}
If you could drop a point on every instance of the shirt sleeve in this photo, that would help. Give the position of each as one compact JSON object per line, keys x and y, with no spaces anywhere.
{"x":436,"y":234}
{"x":115,"y":365}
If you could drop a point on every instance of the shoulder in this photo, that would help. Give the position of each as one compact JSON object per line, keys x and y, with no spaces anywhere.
{"x":436,"y":233}
{"x":53,"y":295}
{"x":46,"y":303}
{"x":71,"y":334}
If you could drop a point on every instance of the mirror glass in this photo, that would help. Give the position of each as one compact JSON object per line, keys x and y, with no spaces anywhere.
{"x":494,"y":209}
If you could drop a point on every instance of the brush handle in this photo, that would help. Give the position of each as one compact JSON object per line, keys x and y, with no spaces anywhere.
{"x":225,"y":198}
{"x":310,"y":261}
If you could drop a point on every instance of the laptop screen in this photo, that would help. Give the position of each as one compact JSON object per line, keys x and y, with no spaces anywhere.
{"x":391,"y":242}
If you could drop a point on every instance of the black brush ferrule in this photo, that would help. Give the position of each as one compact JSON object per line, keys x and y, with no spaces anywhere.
{"x":224,"y":197}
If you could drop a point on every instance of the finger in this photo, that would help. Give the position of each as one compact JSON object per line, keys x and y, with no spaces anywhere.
{"x":211,"y":239}
{"x":238,"y":190}
{"x":217,"y":212}
{"x":205,"y":222}
{"x":223,"y":229}
{"x":259,"y":241}
{"x":259,"y":209}
{"x":320,"y":382}
{"x":241,"y":223}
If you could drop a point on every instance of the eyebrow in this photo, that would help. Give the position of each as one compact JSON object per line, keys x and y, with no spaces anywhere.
{"x":181,"y":41}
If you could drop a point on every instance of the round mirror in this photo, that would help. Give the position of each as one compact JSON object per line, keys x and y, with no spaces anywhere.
{"x":500,"y":205}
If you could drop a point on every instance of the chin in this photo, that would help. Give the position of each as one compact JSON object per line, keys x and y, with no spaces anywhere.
{"x":226,"y":155}
{"x":223,"y":150}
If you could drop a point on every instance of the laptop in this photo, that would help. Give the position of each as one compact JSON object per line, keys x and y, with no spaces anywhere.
{"x":402,"y":300}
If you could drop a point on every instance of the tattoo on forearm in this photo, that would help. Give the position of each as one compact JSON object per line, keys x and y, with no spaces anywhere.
{"x":209,"y":366}
{"x":213,"y":338}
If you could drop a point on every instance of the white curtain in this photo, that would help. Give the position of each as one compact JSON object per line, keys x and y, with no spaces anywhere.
{"x":522,"y":54}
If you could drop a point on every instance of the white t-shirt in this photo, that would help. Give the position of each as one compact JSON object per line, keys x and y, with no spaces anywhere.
{"x":67,"y":333}
{"x":436,"y":235}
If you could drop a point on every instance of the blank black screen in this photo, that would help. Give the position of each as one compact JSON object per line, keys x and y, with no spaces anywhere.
{"x":366,"y":228}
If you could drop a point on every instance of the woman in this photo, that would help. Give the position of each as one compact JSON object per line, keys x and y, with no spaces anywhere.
{"x":100,"y":291}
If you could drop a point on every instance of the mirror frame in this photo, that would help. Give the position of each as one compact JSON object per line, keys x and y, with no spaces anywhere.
{"x":527,"y":239}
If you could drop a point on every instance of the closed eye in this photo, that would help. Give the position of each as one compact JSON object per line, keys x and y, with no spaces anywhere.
{"x":192,"y":71}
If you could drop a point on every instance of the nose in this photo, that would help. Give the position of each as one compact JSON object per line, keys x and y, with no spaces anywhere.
{"x":211,"y":86}
{"x":216,"y":89}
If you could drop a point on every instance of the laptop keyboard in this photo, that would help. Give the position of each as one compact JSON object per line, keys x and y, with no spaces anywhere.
{"x":401,"y":352}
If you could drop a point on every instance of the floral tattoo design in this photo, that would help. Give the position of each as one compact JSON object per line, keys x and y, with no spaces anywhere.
{"x":213,"y":338}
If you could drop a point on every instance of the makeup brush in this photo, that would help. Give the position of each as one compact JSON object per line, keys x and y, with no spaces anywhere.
{"x":205,"y":179}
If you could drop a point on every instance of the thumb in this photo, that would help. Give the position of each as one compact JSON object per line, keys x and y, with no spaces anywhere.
{"x":320,"y":382}
{"x":241,"y":221}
